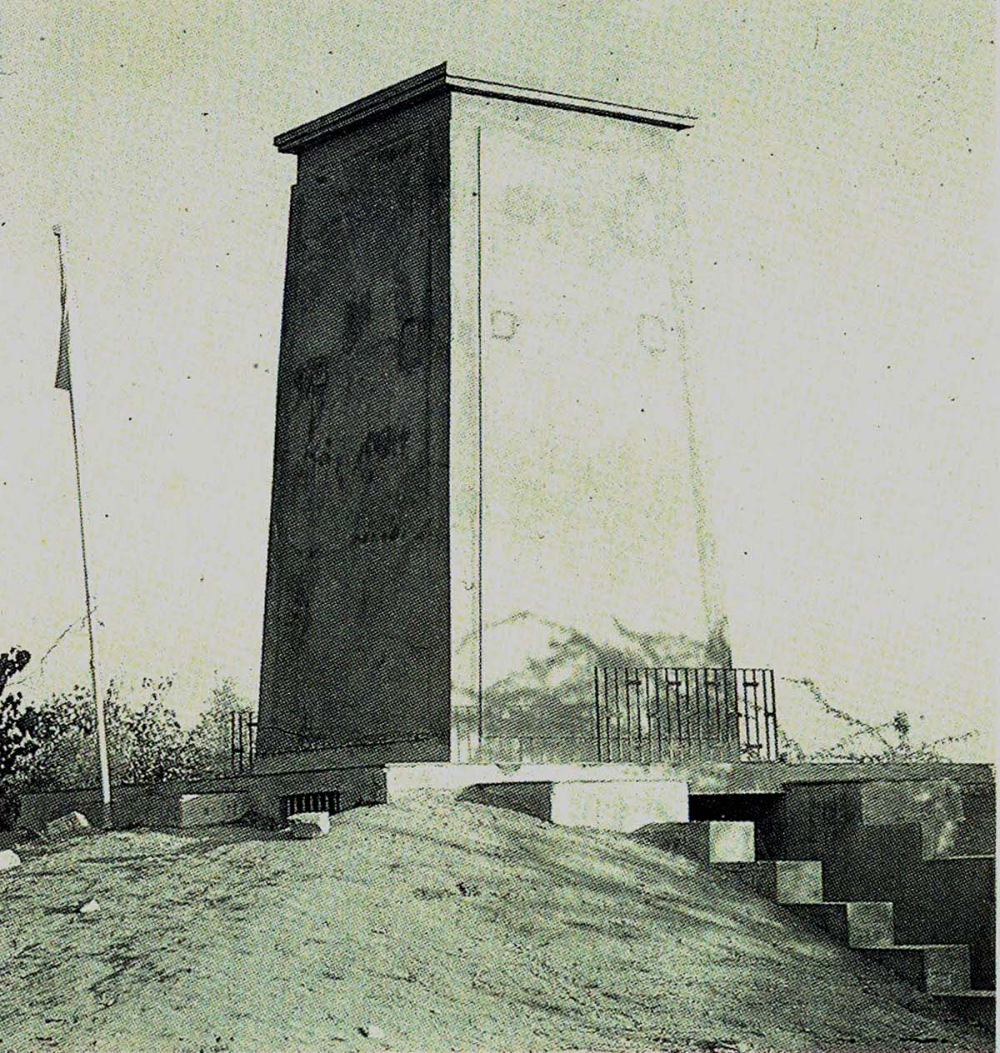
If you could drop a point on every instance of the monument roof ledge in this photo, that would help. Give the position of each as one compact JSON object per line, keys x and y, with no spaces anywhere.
{"x":437,"y":80}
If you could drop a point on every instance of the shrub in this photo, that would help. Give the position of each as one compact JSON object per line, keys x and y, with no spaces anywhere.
{"x":18,"y":735}
{"x":211,"y":741}
{"x":146,"y":742}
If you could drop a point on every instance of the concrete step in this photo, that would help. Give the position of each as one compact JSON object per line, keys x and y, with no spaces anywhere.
{"x":713,"y":841}
{"x":858,"y":924}
{"x":979,"y":1006}
{"x":783,"y":880}
{"x":938,"y":968}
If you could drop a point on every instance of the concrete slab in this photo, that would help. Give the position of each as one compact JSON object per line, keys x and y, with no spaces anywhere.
{"x":702,"y":777}
{"x":622,"y":805}
{"x":401,"y":779}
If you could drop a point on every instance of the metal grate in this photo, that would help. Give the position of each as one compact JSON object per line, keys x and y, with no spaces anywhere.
{"x":648,"y":715}
{"x":321,"y":801}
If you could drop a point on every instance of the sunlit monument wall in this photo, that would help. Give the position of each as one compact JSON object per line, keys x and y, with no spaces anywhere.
{"x":484,"y":477}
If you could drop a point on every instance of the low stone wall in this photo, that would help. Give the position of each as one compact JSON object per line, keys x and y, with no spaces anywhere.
{"x":163,"y":804}
{"x":157,"y":804}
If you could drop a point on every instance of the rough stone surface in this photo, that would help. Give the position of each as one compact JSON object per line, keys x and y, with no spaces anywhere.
{"x":9,"y":859}
{"x":306,"y":825}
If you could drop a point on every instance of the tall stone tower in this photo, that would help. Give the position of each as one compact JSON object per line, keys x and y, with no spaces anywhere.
{"x":484,"y":471}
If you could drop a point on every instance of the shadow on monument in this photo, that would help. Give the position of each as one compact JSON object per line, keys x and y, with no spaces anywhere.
{"x":538,"y":690}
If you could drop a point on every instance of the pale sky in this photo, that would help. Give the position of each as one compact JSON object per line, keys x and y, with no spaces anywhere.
{"x":840,"y":200}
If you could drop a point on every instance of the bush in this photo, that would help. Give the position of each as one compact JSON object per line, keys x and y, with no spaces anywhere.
{"x":18,"y":735}
{"x":10,"y":807}
{"x":146,"y":742}
{"x":53,"y":744}
{"x":211,"y":737}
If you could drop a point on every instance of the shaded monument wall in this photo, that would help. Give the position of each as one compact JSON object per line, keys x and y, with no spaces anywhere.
{"x":356,"y":642}
{"x":567,"y":256}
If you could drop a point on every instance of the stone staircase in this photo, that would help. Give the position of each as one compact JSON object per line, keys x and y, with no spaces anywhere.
{"x":866,"y":925}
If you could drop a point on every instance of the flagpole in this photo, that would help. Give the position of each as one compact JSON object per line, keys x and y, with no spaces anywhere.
{"x":102,"y":738}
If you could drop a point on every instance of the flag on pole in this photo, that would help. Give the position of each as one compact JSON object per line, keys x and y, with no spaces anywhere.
{"x":62,"y":368}
{"x":64,"y":384}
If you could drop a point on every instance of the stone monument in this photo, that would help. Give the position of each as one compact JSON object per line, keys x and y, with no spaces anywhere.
{"x":485,"y":477}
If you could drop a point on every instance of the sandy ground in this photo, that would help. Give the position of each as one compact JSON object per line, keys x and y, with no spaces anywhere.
{"x":428,"y":925}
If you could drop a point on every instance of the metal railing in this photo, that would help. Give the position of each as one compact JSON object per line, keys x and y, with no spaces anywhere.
{"x":648,"y":715}
{"x":242,"y":741}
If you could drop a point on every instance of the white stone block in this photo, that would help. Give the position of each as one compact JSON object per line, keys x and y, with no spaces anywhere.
{"x":623,"y":805}
{"x":305,"y":825}
{"x":64,"y":825}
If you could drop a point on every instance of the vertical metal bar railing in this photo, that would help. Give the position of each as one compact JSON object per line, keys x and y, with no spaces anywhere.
{"x":597,"y":709}
{"x":646,"y":715}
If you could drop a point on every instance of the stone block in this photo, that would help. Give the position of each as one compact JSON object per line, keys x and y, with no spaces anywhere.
{"x":731,"y":842}
{"x":306,"y":825}
{"x":67,"y":825}
{"x":858,"y":924}
{"x":9,"y":859}
{"x":622,"y":805}
{"x":783,"y":880}
{"x":715,"y":841}
{"x":935,"y":968}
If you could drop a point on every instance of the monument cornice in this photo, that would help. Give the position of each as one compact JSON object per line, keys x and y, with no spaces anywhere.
{"x":437,"y":81}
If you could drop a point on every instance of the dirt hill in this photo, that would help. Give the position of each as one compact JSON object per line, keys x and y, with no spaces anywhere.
{"x":427,"y":925}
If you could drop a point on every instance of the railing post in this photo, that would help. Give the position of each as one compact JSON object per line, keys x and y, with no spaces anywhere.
{"x":597,"y":710}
